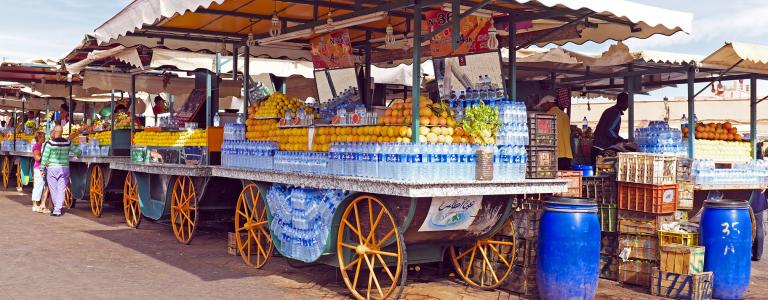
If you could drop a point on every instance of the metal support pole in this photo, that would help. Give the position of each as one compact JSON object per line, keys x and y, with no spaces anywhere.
{"x":753,"y":114}
{"x":170,"y":105}
{"x":246,"y":77}
{"x":14,"y":129}
{"x":511,"y":43}
{"x":416,"y":87}
{"x":455,"y":24}
{"x":367,"y":92}
{"x":47,"y":116}
{"x":70,"y":114}
{"x":630,"y":88}
{"x":235,"y":52}
{"x":112,"y":111}
{"x":133,"y":106}
{"x":691,"y":112}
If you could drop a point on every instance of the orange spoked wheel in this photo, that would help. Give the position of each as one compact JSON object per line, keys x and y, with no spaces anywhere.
{"x":6,"y":171}
{"x":371,"y":250}
{"x":487,"y":263}
{"x":19,"y":183}
{"x":96,"y":191}
{"x":184,"y":209}
{"x":131,"y":207}
{"x":251,"y":221}
{"x":69,"y":202}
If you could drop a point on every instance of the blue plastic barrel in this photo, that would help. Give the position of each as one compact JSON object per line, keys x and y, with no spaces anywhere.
{"x":569,"y":249}
{"x":586,"y":170}
{"x":726,"y":232}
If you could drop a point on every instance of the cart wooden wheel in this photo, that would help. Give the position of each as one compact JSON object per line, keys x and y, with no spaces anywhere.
{"x":184,"y":209}
{"x":19,"y":184}
{"x":96,"y":191}
{"x":487,"y":263}
{"x":131,"y":207}
{"x":365,"y":228}
{"x":251,"y":221}
{"x":6,"y":171}
{"x":69,"y":202}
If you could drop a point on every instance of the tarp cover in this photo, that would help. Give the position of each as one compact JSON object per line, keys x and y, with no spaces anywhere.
{"x":153,"y":84}
{"x":755,"y":57}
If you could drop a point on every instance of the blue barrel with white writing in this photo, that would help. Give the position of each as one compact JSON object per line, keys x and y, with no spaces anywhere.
{"x":568,"y":255}
{"x":726,"y":232}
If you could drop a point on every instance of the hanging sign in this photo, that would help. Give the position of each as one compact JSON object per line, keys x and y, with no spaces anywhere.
{"x":332,"y":50}
{"x":473,"y":37}
{"x":451,"y":213}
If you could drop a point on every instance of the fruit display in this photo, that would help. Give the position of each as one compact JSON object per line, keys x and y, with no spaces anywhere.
{"x":22,"y":136}
{"x":715,"y":131}
{"x":723,"y":151}
{"x":275,"y":106}
{"x":197,"y":137}
{"x":104,"y":137}
{"x":122,"y":121}
{"x":292,"y":139}
{"x":261,"y":130}
{"x":430,"y":114}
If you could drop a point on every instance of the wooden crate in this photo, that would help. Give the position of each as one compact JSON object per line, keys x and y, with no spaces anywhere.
{"x":681,"y":259}
{"x":684,"y":169}
{"x":684,"y":195}
{"x":522,"y":280}
{"x":644,"y":247}
{"x":632,"y":222}
{"x":609,"y":267}
{"x":681,"y":215}
{"x":667,"y":237}
{"x":600,"y":188}
{"x":636,"y":272}
{"x":605,"y":166}
{"x":574,"y":183}
{"x":526,"y":223}
{"x":525,"y":252}
{"x":609,"y":243}
{"x":647,"y":168}
{"x":681,"y":286}
{"x":608,"y":216}
{"x":542,"y":129}
{"x":657,"y":199}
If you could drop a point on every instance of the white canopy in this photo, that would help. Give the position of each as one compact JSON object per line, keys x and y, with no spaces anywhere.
{"x":746,"y":57}
{"x":185,"y":60}
{"x":153,"y":84}
{"x":121,"y":53}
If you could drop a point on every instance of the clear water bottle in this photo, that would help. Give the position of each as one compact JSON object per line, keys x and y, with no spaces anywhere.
{"x":216,"y":120}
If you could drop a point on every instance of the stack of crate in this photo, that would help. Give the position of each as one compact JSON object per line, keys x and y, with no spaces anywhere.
{"x":647,"y":199}
{"x":542,"y":148}
{"x":680,"y":273}
{"x":684,"y":188}
{"x":602,"y":189}
{"x":574,"y":183}
{"x":522,"y":278}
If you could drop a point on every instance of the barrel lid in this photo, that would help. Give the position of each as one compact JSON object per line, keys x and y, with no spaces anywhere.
{"x":726,"y":203}
{"x":570,"y":201}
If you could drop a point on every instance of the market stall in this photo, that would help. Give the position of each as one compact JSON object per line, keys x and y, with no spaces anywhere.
{"x":308,"y":186}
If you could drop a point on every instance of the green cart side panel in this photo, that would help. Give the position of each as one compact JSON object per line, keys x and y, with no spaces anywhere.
{"x":25,"y":167}
{"x":121,"y":142}
{"x":152,"y":205}
{"x":78,"y":180}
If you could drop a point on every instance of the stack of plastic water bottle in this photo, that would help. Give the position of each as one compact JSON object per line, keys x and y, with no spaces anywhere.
{"x":510,"y":157}
{"x":248,"y":154}
{"x":347,"y":100}
{"x":91,"y":148}
{"x":234,"y":132}
{"x":6,"y":145}
{"x":301,"y":219}
{"x":752,"y":173}
{"x":419,"y":162}
{"x":21,"y":146}
{"x":659,"y":138}
{"x":301,"y":162}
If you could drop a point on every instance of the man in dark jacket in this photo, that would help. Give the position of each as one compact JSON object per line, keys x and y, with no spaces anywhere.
{"x":607,"y":130}
{"x":759,"y":204}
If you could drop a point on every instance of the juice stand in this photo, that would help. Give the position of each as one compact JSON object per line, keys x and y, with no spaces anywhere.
{"x":308,"y":205}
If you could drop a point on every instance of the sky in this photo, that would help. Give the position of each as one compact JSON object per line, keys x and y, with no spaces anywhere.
{"x":34,"y":29}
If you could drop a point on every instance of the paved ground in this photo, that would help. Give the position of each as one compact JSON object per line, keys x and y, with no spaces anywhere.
{"x":80,"y":257}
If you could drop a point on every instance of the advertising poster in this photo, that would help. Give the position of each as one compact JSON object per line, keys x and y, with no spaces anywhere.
{"x":474,"y":34}
{"x":451,"y":213}
{"x":332,"y":50}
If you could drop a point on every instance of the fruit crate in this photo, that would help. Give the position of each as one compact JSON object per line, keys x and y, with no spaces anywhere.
{"x":542,"y":129}
{"x":606,"y":166}
{"x":657,"y":199}
{"x":522,"y":280}
{"x":609,"y":267}
{"x":684,"y":169}
{"x":525,"y":252}
{"x":633,"y":222}
{"x":609,"y":243}
{"x":647,"y":168}
{"x":525,"y":220}
{"x":681,"y":259}
{"x":667,"y":237}
{"x":681,"y":286}
{"x":636,"y":272}
{"x":645,"y":247}
{"x":574,"y":183}
{"x":542,"y":162}
{"x":600,"y":188}
{"x":608,"y":216}
{"x":684,"y":195}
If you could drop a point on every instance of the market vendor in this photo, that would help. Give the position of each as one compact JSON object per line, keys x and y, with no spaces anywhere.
{"x":63,"y":114}
{"x":563,"y":125}
{"x":607,"y":130}
{"x":159,"y":106}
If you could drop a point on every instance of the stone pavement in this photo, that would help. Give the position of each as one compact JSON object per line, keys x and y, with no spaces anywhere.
{"x":80,"y":257}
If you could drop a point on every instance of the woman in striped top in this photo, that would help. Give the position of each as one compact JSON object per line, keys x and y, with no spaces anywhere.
{"x":55,"y":166}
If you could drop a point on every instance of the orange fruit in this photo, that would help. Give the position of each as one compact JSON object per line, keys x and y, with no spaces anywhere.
{"x":433,"y":120}
{"x":442,"y":121}
{"x":424,"y":121}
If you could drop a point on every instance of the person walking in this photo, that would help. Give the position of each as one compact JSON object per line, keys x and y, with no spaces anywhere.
{"x":759,"y":204}
{"x":54,"y":165}
{"x":39,"y":182}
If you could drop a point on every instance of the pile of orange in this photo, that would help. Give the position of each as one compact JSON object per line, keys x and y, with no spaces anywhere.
{"x":715,"y":131}
{"x":261,"y":130}
{"x":430,"y":114}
